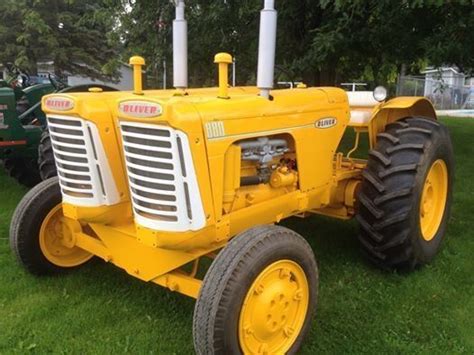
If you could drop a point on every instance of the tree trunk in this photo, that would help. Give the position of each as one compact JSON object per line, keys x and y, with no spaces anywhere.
{"x":32,"y":62}
{"x":328,"y":75}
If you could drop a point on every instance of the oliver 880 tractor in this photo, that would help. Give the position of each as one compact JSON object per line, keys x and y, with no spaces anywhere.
{"x":155,"y":181}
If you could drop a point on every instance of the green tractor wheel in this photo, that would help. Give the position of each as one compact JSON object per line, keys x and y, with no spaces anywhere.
{"x":46,"y":163}
{"x":23,"y":170}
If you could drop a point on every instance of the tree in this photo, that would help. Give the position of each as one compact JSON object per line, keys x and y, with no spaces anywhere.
{"x":77,"y":35}
{"x":213,"y":26}
{"x":145,"y":29}
{"x":320,"y":42}
{"x":452,"y":39}
{"x":373,"y":40}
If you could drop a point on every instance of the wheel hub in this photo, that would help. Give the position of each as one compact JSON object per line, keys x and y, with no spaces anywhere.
{"x":433,"y":199}
{"x":57,"y":241}
{"x":274,"y":309}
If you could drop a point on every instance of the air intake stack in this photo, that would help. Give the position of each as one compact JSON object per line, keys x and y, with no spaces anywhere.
{"x":266,"y":48}
{"x":180,"y":48}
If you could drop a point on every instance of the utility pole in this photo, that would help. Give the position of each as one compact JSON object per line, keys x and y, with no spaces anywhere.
{"x":233,"y":71}
{"x":164,"y":74}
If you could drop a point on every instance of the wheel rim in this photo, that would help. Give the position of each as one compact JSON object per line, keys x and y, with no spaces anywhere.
{"x":54,"y":236}
{"x":433,"y":199}
{"x":274,"y":309}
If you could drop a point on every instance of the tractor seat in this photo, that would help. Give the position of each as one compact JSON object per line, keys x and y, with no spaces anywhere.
{"x":360,"y":118}
{"x":361,"y":104}
{"x":361,"y":99}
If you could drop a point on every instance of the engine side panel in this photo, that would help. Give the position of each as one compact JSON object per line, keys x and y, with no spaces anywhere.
{"x":314,"y":118}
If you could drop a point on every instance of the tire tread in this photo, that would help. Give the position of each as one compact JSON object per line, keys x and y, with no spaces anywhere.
{"x":386,"y":199}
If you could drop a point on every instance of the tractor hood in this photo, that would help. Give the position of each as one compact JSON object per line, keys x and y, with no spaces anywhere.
{"x":189,"y":112}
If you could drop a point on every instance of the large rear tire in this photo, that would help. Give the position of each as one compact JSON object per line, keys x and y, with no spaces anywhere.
{"x":46,"y":162}
{"x":406,"y":194}
{"x":259,"y":295}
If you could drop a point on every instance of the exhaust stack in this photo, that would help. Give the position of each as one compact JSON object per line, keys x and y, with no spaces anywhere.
{"x":180,"y":47}
{"x":266,"y":48}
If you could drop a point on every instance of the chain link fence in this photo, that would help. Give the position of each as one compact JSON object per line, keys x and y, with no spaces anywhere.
{"x":442,"y":95}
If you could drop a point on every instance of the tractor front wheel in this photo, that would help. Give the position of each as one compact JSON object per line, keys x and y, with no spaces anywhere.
{"x":406,"y":193}
{"x":39,"y":235}
{"x":259,"y":295}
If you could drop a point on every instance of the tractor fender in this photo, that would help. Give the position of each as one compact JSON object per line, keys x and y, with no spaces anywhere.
{"x":396,"y":109}
{"x":417,"y":106}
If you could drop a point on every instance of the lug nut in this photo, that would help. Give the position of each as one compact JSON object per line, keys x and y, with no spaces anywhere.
{"x":288,"y":331}
{"x":284,"y":273}
{"x":259,"y":289}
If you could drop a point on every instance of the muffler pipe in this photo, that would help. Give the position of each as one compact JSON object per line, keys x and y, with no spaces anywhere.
{"x":180,"y":48}
{"x":266,"y":48}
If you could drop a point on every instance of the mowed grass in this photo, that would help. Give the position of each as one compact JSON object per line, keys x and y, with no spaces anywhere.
{"x":100,"y":309}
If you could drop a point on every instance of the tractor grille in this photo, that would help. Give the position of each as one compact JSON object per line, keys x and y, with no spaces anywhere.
{"x":163,"y":185}
{"x":83,"y":170}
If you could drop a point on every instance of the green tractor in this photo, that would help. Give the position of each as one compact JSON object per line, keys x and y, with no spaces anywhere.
{"x":25,"y":147}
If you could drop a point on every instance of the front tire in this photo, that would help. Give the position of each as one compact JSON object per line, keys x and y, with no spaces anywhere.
{"x":406,"y":194}
{"x":258,"y":296}
{"x":37,"y":232}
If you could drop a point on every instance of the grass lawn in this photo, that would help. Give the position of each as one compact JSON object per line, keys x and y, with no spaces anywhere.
{"x":100,"y":309}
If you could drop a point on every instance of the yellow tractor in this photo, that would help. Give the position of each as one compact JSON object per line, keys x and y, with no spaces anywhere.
{"x":156,"y":181}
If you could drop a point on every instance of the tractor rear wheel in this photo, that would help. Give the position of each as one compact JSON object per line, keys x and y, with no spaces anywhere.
{"x":39,"y":235}
{"x":46,"y":162}
{"x":23,"y":170}
{"x":259,"y":295}
{"x":406,"y":193}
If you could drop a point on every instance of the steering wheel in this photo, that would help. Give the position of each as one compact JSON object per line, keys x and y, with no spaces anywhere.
{"x":57,"y":84}
{"x":21,"y":79}
{"x":25,"y":79}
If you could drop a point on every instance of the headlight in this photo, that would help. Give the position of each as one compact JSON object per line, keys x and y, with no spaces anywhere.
{"x":19,"y":80}
{"x":380,"y":93}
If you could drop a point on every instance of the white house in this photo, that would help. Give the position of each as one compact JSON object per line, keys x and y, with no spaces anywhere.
{"x":438,"y":78}
{"x":448,"y":87}
{"x":125,"y":82}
